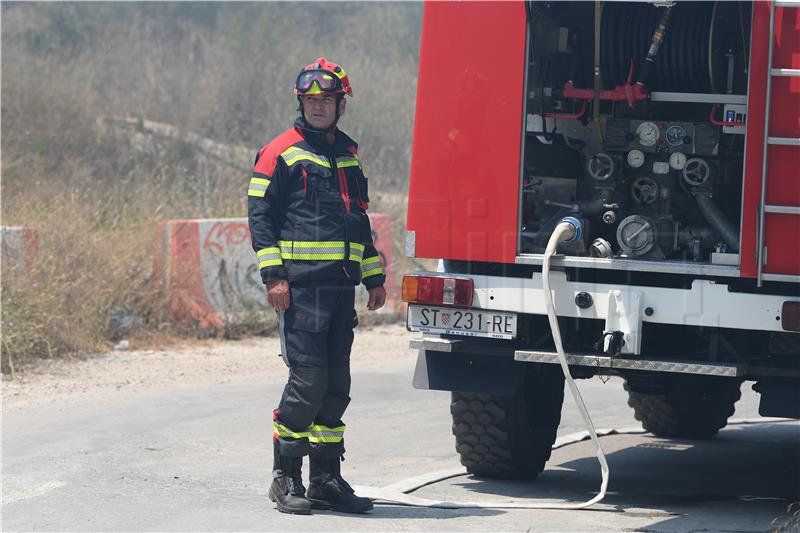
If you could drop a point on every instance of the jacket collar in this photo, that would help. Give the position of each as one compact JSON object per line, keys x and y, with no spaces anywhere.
{"x":316,"y":138}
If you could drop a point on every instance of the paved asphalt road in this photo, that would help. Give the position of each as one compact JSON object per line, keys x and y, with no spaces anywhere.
{"x":198,"y":459}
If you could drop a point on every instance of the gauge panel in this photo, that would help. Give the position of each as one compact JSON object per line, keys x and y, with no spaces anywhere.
{"x":657,"y":137}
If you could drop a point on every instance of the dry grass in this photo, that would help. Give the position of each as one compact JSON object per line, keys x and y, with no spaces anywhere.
{"x":93,"y":268}
{"x":220,"y":70}
{"x":93,"y":259}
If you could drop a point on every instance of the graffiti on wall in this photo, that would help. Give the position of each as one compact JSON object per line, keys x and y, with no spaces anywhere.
{"x":229,"y":274}
{"x":231,"y":278}
{"x":382,"y":238}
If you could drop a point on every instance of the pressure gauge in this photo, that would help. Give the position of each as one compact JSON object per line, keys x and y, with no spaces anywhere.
{"x":677,"y":161}
{"x":675,"y":135}
{"x":635,"y":158}
{"x":648,"y":133}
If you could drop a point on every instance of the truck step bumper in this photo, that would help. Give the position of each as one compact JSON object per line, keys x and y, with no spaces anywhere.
{"x":607,"y":363}
{"x":435,"y":344}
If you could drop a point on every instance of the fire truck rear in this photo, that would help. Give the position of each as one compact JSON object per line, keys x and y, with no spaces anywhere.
{"x":668,"y":135}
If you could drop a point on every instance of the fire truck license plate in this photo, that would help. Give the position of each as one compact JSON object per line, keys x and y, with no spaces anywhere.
{"x":470,"y":322}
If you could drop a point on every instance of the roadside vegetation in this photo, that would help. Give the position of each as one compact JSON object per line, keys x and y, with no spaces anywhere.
{"x":96,"y":187}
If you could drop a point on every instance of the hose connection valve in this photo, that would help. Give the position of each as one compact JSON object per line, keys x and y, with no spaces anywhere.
{"x":573,"y":236}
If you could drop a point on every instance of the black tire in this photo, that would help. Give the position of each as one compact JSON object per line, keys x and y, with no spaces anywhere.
{"x":510,"y":437}
{"x":687,"y":406}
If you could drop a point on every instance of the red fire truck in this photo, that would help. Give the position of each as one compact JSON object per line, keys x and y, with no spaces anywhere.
{"x":668,"y":133}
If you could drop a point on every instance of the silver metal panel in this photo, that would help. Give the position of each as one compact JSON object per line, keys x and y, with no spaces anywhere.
{"x":654,"y":365}
{"x":522,"y":141}
{"x":435,"y":344}
{"x":718,"y":258}
{"x":780,"y":277}
{"x":786,"y":72}
{"x":783,"y":209}
{"x":411,"y":243}
{"x":699,"y":98}
{"x":784,"y":141}
{"x":787,"y":3}
{"x":637,"y":265}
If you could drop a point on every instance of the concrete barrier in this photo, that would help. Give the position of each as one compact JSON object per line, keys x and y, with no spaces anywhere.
{"x":19,"y":247}
{"x":209,"y":269}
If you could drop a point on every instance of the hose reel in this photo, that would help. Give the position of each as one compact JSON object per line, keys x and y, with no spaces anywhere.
{"x":690,"y":57}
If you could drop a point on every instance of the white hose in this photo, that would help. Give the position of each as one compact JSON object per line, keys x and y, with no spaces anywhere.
{"x":398,"y":493}
{"x":394,"y":493}
{"x":558,"y":236}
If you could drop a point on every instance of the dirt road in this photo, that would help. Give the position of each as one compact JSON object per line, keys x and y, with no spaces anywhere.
{"x":197,"y":363}
{"x":179,"y":440}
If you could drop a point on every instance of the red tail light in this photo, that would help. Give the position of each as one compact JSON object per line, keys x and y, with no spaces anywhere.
{"x":790,"y":316}
{"x":439,"y":290}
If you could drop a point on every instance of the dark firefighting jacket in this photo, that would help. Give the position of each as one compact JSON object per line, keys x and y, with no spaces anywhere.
{"x":307,"y":203}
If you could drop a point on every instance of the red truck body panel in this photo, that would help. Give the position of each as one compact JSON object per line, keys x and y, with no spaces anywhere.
{"x":466,"y":162}
{"x":464,"y":192}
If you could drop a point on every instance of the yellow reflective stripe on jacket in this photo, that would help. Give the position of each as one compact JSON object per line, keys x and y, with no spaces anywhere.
{"x":269,"y":257}
{"x":293,"y":154}
{"x":320,"y":433}
{"x":356,"y":251}
{"x":312,"y":250}
{"x":283,"y":431}
{"x":348,"y":161}
{"x":371,"y":266}
{"x":373,"y":272}
{"x":258,"y":187}
{"x":319,"y":250}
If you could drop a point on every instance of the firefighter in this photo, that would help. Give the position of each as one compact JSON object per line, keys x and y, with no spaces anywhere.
{"x":307,"y":203}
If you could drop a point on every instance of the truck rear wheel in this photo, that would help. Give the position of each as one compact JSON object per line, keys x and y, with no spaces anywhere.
{"x":688,"y":406}
{"x":510,"y":437}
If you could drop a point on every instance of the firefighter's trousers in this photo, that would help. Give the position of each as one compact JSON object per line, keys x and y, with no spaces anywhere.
{"x":316,"y":336}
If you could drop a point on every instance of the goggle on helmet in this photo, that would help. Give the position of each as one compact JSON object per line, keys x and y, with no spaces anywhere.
{"x":322,"y":77}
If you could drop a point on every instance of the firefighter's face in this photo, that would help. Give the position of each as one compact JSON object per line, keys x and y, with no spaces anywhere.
{"x":320,"y":110}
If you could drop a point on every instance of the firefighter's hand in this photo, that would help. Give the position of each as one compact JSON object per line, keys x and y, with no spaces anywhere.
{"x":278,"y":294}
{"x":377,"y":297}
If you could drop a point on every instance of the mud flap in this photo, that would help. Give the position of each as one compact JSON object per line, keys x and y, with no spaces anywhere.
{"x":463,"y":372}
{"x":779,"y":398}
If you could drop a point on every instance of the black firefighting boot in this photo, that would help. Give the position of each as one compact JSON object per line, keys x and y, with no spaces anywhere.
{"x":287,"y":490}
{"x":327,"y":489}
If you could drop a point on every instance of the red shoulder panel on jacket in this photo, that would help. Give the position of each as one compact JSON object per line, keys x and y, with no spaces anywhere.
{"x":268,"y":155}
